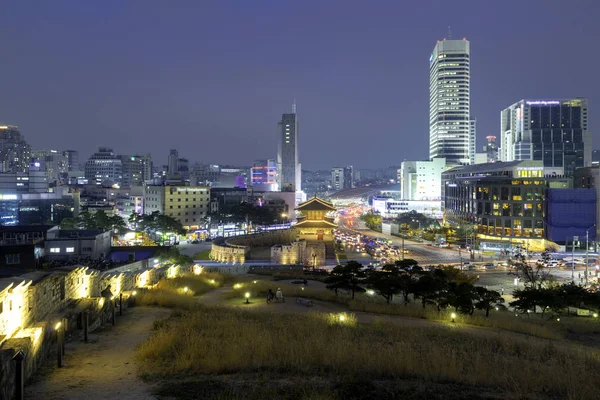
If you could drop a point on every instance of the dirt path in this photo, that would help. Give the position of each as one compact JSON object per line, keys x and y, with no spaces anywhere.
{"x":103,"y":368}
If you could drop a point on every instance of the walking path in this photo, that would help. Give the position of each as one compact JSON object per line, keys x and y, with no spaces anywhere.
{"x":103,"y":368}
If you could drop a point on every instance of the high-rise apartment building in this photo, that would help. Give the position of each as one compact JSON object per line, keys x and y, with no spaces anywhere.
{"x":342,"y":178}
{"x":337,"y":178}
{"x":104,"y":165}
{"x":288,"y":165}
{"x":15,"y":153}
{"x":553,"y":131}
{"x":451,"y":130}
{"x":54,"y":162}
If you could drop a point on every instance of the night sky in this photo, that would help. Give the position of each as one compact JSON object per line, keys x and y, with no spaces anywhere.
{"x":212,"y":78}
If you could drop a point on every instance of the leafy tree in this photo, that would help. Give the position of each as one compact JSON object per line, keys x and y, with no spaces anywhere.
{"x":432,"y":288}
{"x":462,"y":297}
{"x":347,"y":276}
{"x":534,"y":275}
{"x":69,"y":223}
{"x":487,"y":299}
{"x":372,"y":220}
{"x":173,"y":256}
{"x":386,"y":282}
{"x":157,"y":222}
{"x":409,"y":271}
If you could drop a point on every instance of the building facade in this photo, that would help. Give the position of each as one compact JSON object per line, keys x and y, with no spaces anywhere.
{"x":54,"y":162}
{"x":451,"y":130}
{"x":552,"y":131}
{"x":390,"y":208}
{"x":15,"y":153}
{"x":422,"y":180}
{"x":264,"y":175}
{"x":103,"y":166}
{"x":288,"y":164}
{"x":504,"y":200}
{"x":187,"y":204}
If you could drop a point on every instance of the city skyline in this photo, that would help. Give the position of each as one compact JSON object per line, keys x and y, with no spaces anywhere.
{"x":103,"y":84}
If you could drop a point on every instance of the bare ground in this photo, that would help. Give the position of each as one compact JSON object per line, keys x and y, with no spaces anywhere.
{"x":103,"y":368}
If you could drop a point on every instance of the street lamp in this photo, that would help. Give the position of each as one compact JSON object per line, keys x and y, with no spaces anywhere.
{"x":587,"y":248}
{"x":453,"y":316}
{"x":283,"y":217}
{"x":314,"y":256}
{"x":247,"y":297}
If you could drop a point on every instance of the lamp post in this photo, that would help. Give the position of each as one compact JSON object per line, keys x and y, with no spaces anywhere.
{"x":587,"y":248}
{"x":314,"y":256}
{"x":283,"y":217}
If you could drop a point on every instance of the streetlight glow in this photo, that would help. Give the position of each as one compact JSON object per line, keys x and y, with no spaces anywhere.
{"x":58,"y":325}
{"x":247,"y":297}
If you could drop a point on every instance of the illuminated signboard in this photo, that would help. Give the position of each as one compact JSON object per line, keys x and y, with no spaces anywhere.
{"x":542,"y":102}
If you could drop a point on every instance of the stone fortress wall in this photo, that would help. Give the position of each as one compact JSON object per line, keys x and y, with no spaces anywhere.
{"x":32,"y":304}
{"x":235,"y":249}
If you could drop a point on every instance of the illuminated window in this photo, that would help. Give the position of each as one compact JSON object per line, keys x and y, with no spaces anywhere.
{"x":70,"y":249}
{"x":55,"y":250}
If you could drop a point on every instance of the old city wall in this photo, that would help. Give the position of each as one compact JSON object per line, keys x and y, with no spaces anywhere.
{"x":32,"y":304}
{"x":235,"y":249}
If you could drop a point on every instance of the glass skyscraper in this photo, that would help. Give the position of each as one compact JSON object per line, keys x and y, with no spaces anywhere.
{"x":553,"y":131}
{"x":451,"y":131}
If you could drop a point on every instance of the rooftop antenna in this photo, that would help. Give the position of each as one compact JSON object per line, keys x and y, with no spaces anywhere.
{"x":449,"y":32}
{"x":294,"y":106}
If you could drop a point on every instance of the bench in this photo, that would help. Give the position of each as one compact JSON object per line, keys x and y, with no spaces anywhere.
{"x":306,"y":302}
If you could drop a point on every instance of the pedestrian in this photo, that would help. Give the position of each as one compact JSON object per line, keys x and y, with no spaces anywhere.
{"x":270,"y":296}
{"x":502,"y":290}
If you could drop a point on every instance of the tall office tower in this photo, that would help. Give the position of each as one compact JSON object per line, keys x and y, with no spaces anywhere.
{"x":103,"y":166}
{"x":173,"y":161}
{"x":554,"y":131}
{"x":72,"y":159}
{"x":288,"y":166}
{"x":451,"y":130}
{"x":15,"y":153}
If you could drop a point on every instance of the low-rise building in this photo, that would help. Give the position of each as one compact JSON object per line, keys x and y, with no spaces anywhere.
{"x":73,"y":244}
{"x":187,"y":204}
{"x":389,"y":207}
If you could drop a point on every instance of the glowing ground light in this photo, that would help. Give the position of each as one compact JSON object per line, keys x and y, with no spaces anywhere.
{"x":497,"y":308}
{"x":595,"y":315}
{"x":453,"y":316}
{"x":342,"y":317}
{"x":57,"y":326}
{"x":185,"y":289}
{"x":237,"y":286}
{"x":134,"y":293}
{"x":247,"y":295}
{"x":302,"y":287}
{"x":254,"y":281}
{"x":212,"y":281}
{"x":557,"y":319}
{"x":370,"y":292}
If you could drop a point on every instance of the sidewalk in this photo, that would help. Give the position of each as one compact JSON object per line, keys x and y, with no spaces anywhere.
{"x":103,"y":368}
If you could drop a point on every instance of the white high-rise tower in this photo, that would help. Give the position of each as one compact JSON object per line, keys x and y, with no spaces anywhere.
{"x":451,"y":133}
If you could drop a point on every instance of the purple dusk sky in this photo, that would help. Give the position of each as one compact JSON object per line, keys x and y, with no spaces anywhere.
{"x":211,"y":78}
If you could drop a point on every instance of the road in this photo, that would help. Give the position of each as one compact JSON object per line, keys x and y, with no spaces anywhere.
{"x":189,"y":249}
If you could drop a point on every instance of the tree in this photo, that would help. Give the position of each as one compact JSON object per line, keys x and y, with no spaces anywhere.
{"x":348,"y":277}
{"x":372,"y":220}
{"x":157,"y":222}
{"x":173,"y":256}
{"x":487,"y":299}
{"x":432,"y":288}
{"x":69,"y":223}
{"x":409,"y":270}
{"x":462,"y":296}
{"x":385,"y":282}
{"x":534,"y":275}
